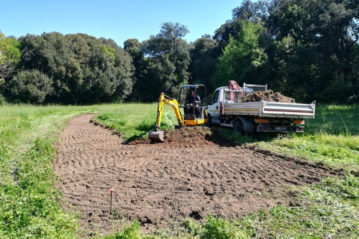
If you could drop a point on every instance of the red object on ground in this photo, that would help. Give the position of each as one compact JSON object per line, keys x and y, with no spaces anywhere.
{"x":112,"y":191}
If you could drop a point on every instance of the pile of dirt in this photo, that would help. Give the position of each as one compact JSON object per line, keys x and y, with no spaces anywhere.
{"x":187,"y":137}
{"x":159,"y":184}
{"x":268,"y":95}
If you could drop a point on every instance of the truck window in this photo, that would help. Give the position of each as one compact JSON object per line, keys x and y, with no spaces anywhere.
{"x":215,"y":97}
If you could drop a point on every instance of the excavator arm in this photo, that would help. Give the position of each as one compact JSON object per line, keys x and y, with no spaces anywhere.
{"x":165,"y":99}
{"x":157,"y":134}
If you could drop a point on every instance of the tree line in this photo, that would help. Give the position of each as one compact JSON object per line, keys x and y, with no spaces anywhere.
{"x":307,"y":49}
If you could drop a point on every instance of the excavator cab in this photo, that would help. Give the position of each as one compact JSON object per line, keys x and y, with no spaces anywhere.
{"x":191,"y":100}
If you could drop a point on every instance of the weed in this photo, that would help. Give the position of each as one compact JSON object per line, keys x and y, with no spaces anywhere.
{"x":130,"y":232}
{"x":218,"y":228}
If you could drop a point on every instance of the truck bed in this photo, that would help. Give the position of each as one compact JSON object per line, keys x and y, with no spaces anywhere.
{"x":267,"y":109}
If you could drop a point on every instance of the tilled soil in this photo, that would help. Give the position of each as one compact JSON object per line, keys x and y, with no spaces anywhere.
{"x":187,"y":137}
{"x":159,"y":184}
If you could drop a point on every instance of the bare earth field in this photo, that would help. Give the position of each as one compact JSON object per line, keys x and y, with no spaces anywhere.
{"x":192,"y":174}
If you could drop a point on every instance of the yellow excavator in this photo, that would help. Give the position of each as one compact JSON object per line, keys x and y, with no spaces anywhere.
{"x":195,"y":111}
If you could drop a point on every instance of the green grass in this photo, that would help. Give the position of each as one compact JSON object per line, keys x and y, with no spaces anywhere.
{"x":332,"y":138}
{"x":327,"y":210}
{"x":29,"y":202}
{"x":135,"y":120}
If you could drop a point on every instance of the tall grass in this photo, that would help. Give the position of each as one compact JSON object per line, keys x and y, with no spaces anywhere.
{"x":331,"y":138}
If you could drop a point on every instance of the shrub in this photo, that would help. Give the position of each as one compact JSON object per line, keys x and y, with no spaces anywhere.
{"x":218,"y":228}
{"x":2,"y":100}
{"x":30,"y":87}
{"x":130,"y":232}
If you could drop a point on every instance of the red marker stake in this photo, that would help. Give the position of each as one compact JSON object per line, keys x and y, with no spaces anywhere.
{"x":111,"y":193}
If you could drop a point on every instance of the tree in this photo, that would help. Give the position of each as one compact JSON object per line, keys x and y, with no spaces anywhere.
{"x":133,"y":47}
{"x":256,"y":12}
{"x":249,"y":11}
{"x":9,"y":56}
{"x":30,"y":87}
{"x":166,"y":63}
{"x":203,"y":60}
{"x":84,"y":69}
{"x":243,"y":58}
{"x":320,"y":62}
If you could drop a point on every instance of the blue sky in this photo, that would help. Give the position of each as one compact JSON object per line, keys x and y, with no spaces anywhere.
{"x":118,"y":20}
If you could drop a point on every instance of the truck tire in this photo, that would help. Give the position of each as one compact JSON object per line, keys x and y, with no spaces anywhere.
{"x":237,"y":127}
{"x":210,"y":123}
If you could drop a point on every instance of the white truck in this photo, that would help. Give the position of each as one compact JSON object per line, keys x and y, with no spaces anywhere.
{"x":226,"y":109}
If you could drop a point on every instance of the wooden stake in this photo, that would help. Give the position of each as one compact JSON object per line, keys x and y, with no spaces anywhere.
{"x":111,"y":193}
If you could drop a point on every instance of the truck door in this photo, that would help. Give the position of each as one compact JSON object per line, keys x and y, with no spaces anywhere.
{"x":213,"y":107}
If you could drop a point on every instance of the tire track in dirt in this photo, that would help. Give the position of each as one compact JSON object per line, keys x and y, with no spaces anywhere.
{"x":160,"y":184}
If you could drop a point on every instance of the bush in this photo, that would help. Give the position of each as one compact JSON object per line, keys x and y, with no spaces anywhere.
{"x":30,"y":87}
{"x":130,"y":232}
{"x":218,"y":228}
{"x":2,"y":100}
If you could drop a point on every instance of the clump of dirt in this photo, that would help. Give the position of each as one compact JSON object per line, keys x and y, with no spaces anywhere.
{"x":268,"y":95}
{"x":159,"y":184}
{"x":188,"y":137}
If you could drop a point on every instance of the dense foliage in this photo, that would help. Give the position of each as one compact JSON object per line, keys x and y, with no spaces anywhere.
{"x":305,"y":49}
{"x":30,"y":86}
{"x":165,"y":64}
{"x":9,"y":57}
{"x":242,"y":58}
{"x":83,"y":69}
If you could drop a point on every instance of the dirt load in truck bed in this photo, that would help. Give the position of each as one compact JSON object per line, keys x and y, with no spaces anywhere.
{"x":268,"y":95}
{"x":194,"y":175}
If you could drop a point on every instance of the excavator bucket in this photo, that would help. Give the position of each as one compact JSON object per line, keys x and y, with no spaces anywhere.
{"x":156,"y":136}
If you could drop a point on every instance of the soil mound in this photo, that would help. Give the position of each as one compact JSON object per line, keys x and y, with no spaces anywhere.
{"x":196,"y":136}
{"x":159,"y":184}
{"x":268,"y":95}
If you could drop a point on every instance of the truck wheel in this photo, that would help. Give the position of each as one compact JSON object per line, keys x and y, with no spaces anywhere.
{"x":237,"y":127}
{"x":210,"y":123}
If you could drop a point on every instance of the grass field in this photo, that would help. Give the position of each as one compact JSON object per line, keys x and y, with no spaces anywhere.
{"x":29,"y":202}
{"x":332,"y":138}
{"x":135,"y":120}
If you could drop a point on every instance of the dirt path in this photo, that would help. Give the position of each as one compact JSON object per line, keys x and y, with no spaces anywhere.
{"x":159,"y":184}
